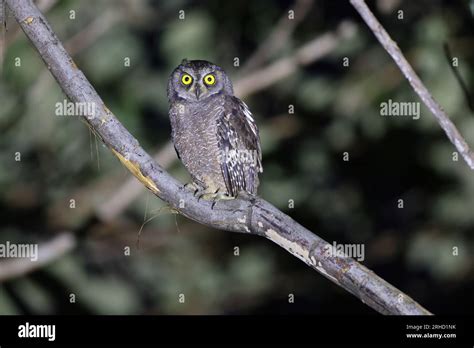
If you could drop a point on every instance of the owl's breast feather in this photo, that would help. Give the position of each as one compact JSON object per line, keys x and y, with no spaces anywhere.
{"x":194,"y":132}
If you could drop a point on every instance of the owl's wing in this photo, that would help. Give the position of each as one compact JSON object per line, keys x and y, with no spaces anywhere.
{"x":239,"y":143}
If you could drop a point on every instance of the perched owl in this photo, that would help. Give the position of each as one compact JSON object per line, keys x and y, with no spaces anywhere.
{"x":213,"y":131}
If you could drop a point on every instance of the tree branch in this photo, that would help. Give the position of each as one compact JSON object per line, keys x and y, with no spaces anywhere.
{"x":311,"y":51}
{"x":392,"y":49}
{"x":304,"y":55}
{"x":47,"y":252}
{"x":464,"y":88}
{"x":3,"y":22}
{"x":253,"y":216}
{"x":279,"y":36}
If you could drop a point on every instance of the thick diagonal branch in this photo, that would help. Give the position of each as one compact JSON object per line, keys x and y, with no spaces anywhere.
{"x":254,"y":216}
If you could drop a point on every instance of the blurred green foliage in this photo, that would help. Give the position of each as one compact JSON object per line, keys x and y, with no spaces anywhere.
{"x":337,"y":110}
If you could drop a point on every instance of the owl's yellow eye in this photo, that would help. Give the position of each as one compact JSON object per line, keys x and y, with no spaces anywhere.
{"x":186,"y":79}
{"x":209,"y":79}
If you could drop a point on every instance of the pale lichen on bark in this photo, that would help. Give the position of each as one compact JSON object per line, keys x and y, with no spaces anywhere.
{"x":254,"y":215}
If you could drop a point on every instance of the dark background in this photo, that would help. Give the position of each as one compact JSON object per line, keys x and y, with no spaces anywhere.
{"x":337,"y":110}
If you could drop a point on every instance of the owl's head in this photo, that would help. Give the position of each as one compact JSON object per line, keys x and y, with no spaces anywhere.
{"x":197,"y":80}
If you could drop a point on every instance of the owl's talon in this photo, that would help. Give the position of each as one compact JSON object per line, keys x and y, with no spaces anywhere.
{"x":214,"y":196}
{"x":191,"y":186}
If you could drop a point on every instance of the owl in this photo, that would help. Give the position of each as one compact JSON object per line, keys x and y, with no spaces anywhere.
{"x":213,"y":132}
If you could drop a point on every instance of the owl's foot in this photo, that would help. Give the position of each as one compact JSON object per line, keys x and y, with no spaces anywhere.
{"x":193,"y":187}
{"x":213,"y":196}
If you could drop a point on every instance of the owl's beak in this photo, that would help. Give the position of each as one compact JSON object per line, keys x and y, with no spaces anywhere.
{"x":197,"y":91}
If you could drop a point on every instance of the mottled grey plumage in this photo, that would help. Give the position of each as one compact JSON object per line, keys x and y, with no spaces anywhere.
{"x":213,"y":131}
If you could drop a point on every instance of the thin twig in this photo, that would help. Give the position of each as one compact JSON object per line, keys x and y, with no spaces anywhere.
{"x":467,"y":94}
{"x":392,"y":49}
{"x":3,"y":27}
{"x":253,"y":216}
